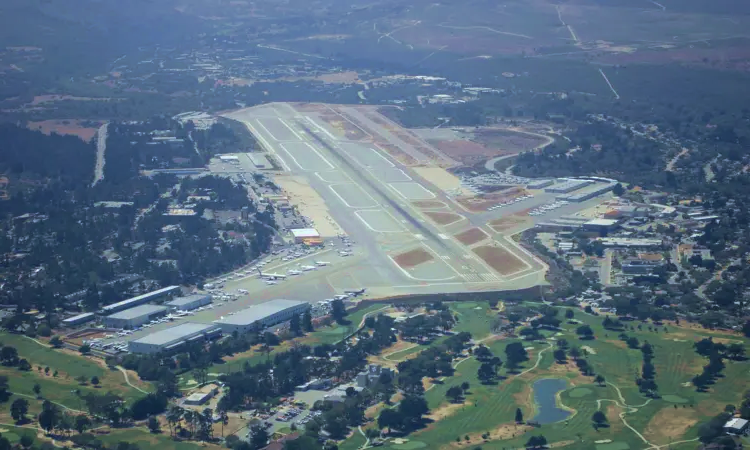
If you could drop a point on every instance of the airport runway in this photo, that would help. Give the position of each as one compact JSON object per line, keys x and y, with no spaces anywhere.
{"x":371,"y":195}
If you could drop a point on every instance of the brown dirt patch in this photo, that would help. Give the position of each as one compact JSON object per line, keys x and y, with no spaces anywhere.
{"x":651,"y":256}
{"x":42,"y":99}
{"x":670,"y":423}
{"x":428,"y":204}
{"x":85,"y":132}
{"x":525,"y":400}
{"x":508,"y":223}
{"x":443,"y":218}
{"x":446,"y":410}
{"x":502,"y":261}
{"x":413,"y":258}
{"x":465,"y":151}
{"x":471,"y":236}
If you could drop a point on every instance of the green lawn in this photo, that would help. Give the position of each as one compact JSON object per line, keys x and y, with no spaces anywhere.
{"x":146,"y":440}
{"x":678,"y":413}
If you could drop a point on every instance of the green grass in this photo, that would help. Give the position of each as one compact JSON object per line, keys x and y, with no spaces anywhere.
{"x":146,"y":440}
{"x":676,"y":362}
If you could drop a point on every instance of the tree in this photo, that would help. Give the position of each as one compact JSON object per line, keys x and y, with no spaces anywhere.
{"x":519,"y":415}
{"x":482,"y":353}
{"x":633,"y":342}
{"x":412,"y":408}
{"x":56,"y":342}
{"x":37,"y":389}
{"x":599,"y":380}
{"x":536,"y":442}
{"x":560,"y":356}
{"x":569,"y":314}
{"x":486,"y":373}
{"x":736,"y":351}
{"x":599,"y":419}
{"x":585,"y":332}
{"x":85,"y":349}
{"x":95,"y":381}
{"x":465,"y":386}
{"x":4,"y":394}
{"x":18,"y":409}
{"x":24,"y":365}
{"x":82,"y":423}
{"x":390,"y":418}
{"x":454,"y":393}
{"x":618,"y":190}
{"x":338,"y":311}
{"x":515,"y":355}
{"x":307,"y":324}
{"x":26,"y":441}
{"x":9,"y":355}
{"x":258,"y":437}
{"x":173,"y":416}
{"x":294,"y":325}
{"x":153,"y":425}
{"x":575,"y":353}
{"x":49,"y":417}
{"x":746,"y":328}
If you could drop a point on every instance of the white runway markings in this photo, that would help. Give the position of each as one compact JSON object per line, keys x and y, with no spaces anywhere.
{"x":306,"y":156}
{"x":353,"y":196}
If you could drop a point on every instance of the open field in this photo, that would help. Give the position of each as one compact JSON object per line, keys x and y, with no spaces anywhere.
{"x":471,"y":236}
{"x":71,"y":127}
{"x":500,"y":259}
{"x":412,"y":258}
{"x":491,"y":408}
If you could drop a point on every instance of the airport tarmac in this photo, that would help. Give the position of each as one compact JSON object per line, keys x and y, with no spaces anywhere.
{"x":399,"y":249}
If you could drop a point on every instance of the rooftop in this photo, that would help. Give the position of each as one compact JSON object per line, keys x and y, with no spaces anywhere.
{"x":138,"y":311}
{"x":305,"y":233}
{"x":140,"y":297}
{"x":176,"y":333}
{"x":602,"y":222}
{"x":257,"y":312}
{"x":179,"y":301}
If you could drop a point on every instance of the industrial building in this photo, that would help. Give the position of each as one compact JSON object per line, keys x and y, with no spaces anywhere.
{"x":134,"y":317}
{"x":202,"y":395}
{"x":587,"y":195}
{"x":737,"y":426}
{"x":262,"y":315}
{"x":631,"y":242}
{"x":568,"y":186}
{"x":172,"y":338}
{"x":189,"y":302}
{"x":79,"y":319}
{"x":302,"y":235}
{"x":637,"y":267}
{"x":141,"y":299}
{"x":260,"y":161}
{"x":602,"y":226}
{"x":540,"y":184}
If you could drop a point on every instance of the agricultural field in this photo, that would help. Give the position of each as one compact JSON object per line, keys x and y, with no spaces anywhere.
{"x":486,"y":416}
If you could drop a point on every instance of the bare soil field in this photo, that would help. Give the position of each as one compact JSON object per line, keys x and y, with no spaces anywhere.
{"x":72,"y":127}
{"x":309,"y":203}
{"x":484,"y":201}
{"x":509,"y":141}
{"x":443,"y":218}
{"x":501,"y":260}
{"x":466,"y":152}
{"x":509,"y":222}
{"x":412,"y":258}
{"x":429,"y":204}
{"x":471,"y":236}
{"x":42,"y":99}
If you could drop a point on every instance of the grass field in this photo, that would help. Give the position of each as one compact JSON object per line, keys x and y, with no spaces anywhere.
{"x":70,"y":366}
{"x":490,"y":408}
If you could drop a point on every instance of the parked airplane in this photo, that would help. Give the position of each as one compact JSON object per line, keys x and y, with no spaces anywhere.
{"x":242,"y":291}
{"x":306,"y":268}
{"x":355,"y":291}
{"x":271,"y":276}
{"x":340,"y":297}
{"x":293,"y":272}
{"x":271,"y":282}
{"x":321,"y":263}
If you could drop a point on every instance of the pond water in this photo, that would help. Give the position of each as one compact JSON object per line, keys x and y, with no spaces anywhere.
{"x":544,"y":396}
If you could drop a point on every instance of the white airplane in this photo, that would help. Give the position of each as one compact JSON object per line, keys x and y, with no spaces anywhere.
{"x":307,"y":268}
{"x":293,"y":272}
{"x":242,"y":291}
{"x":271,"y":282}
{"x":321,"y":263}
{"x":340,"y":297}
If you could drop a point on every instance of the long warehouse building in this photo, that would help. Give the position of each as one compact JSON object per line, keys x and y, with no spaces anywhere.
{"x":141,"y":299}
{"x":262,"y":315}
{"x":171,"y":339}
{"x":189,"y":302}
{"x":135,"y":317}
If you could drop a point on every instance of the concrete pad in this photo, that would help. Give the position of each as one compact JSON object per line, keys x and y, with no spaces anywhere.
{"x":334,"y":177}
{"x":366,"y":156}
{"x":390,"y":175}
{"x":412,"y":191}
{"x":353,"y":196}
{"x":278,"y":129}
{"x":380,"y":221}
{"x":306,"y":157}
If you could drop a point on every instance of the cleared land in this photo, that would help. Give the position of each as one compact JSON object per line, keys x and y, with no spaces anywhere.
{"x":429,"y":204}
{"x":412,"y":258}
{"x":509,"y":222}
{"x":501,"y":260}
{"x":83,"y":129}
{"x":471,"y":236}
{"x":443,"y":218}
{"x":310,"y":204}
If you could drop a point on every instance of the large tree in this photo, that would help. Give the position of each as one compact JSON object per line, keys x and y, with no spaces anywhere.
{"x":18,"y":409}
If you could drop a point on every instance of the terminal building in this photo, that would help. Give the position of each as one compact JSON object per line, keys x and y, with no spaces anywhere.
{"x":171,"y":339}
{"x":141,"y":299}
{"x":189,"y":302}
{"x":135,"y":317}
{"x":262,"y":316}
{"x":305,"y":235}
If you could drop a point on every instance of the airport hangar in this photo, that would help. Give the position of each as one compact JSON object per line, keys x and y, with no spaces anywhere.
{"x":189,"y":302}
{"x":172,"y":338}
{"x":135,"y":317}
{"x":264,"y":314}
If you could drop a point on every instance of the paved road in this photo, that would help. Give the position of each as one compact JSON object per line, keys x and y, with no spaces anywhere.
{"x":101,"y":147}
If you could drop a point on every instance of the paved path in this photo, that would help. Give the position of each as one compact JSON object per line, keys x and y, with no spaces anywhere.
{"x":101,"y":147}
{"x":127,"y":380}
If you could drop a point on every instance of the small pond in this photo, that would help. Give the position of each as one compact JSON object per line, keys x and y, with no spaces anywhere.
{"x":545,"y":392}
